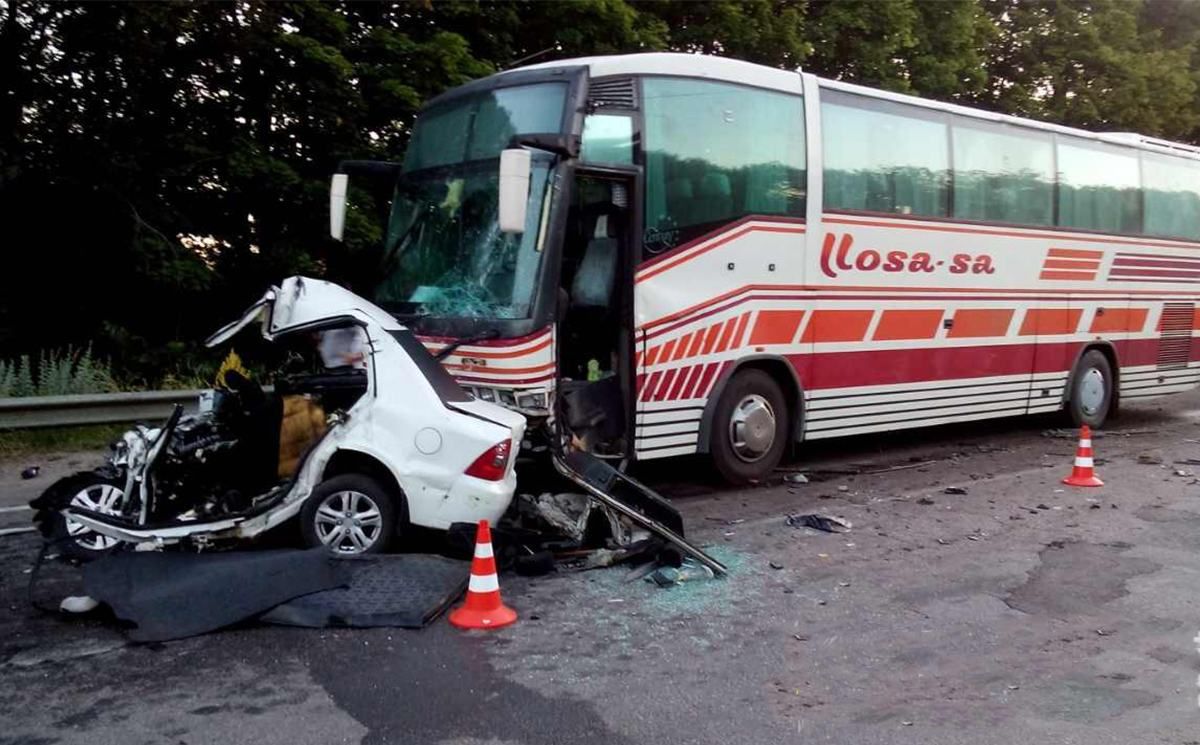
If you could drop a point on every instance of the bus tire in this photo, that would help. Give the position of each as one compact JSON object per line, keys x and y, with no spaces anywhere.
{"x":1092,"y":390}
{"x":749,"y":427}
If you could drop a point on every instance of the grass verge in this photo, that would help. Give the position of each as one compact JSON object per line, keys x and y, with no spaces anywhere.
{"x":19,"y":442}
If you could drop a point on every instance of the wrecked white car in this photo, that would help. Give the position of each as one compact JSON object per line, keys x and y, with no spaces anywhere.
{"x":372,"y":442}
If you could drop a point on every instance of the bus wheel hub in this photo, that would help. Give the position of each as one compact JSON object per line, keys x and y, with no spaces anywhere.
{"x":1091,"y":391}
{"x":752,"y":428}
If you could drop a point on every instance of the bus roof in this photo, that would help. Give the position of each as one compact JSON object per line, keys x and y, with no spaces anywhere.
{"x":749,"y":73}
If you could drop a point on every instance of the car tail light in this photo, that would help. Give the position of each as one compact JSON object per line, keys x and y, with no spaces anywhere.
{"x":491,"y":465}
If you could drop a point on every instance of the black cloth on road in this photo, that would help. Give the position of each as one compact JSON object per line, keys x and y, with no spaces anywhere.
{"x":175,"y":595}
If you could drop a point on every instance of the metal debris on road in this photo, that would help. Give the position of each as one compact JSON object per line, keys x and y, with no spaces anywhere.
{"x":825,"y":523}
{"x":954,"y":490}
{"x":901,"y":467}
{"x":690,"y":571}
{"x":1071,"y":434}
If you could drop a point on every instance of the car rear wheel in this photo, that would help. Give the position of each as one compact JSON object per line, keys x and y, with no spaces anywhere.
{"x":349,"y":514}
{"x":749,"y":427}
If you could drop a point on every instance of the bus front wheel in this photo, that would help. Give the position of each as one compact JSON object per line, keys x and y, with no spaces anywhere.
{"x":749,"y":427}
{"x":1092,"y":389}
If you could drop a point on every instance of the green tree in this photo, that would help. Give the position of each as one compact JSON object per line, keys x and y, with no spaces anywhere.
{"x":769,"y":32}
{"x":1092,"y":63}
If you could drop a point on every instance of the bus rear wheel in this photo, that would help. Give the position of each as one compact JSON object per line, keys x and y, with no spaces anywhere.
{"x":749,"y":427}
{"x":1092,"y":389}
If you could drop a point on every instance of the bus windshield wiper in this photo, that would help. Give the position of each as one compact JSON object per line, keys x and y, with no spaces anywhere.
{"x":449,"y":348}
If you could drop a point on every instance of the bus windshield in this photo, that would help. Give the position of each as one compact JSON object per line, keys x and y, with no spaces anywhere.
{"x":444,"y":253}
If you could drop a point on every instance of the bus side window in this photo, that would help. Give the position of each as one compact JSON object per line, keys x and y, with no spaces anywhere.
{"x":1003,"y":174}
{"x":883,"y":157}
{"x":607,"y":138}
{"x":715,"y":152}
{"x":1099,"y":187}
{"x":1172,"y":196}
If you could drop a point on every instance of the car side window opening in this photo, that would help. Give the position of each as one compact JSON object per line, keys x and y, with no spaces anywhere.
{"x":715,"y":152}
{"x":888,"y":158}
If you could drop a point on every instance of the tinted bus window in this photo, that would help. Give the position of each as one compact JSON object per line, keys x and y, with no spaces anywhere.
{"x":1003,"y":176}
{"x":716,"y":152}
{"x":888,"y":158}
{"x":1098,"y":188}
{"x":480,"y":126}
{"x":607,"y":139}
{"x":1172,"y":196}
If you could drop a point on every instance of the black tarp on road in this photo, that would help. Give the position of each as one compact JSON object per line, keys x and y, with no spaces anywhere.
{"x":174,"y":595}
{"x":406,"y":590}
{"x":170,"y":595}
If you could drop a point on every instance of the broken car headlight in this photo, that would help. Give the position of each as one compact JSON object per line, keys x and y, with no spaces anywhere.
{"x":531,"y":400}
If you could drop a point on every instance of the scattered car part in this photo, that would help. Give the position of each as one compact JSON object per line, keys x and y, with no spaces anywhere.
{"x":825,"y":523}
{"x":78,"y":604}
{"x":689,"y":572}
{"x":632,"y":499}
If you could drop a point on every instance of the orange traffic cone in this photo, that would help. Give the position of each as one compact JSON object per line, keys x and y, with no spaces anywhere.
{"x":483,"y":609}
{"x":1082,"y":474}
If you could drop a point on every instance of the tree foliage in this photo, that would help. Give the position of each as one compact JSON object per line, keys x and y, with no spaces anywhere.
{"x":161,"y":162}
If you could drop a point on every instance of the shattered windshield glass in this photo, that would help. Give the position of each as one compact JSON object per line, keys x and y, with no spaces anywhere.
{"x":445,"y":255}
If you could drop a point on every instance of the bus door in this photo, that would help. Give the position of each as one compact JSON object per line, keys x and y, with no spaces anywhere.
{"x":595,"y":312}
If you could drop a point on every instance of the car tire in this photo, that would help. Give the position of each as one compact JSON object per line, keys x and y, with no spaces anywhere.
{"x":350,"y":514}
{"x":94,"y":491}
{"x":1092,"y":395}
{"x":749,"y":428}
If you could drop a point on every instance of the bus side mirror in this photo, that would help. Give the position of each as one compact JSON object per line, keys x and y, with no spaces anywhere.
{"x":514,"y":189}
{"x":337,"y":204}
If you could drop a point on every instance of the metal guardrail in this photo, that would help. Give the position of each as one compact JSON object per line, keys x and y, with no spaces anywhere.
{"x":93,"y":408}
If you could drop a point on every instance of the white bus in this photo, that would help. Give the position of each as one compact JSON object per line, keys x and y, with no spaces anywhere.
{"x":718,"y":257}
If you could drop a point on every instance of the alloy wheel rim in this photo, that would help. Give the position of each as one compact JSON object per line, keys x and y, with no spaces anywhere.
{"x":348,"y":522}
{"x":102,"y":498}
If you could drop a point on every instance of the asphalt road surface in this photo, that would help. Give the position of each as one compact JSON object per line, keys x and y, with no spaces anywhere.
{"x":1019,"y":611}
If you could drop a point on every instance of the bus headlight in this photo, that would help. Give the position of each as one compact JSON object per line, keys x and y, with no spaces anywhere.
{"x":531,"y":400}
